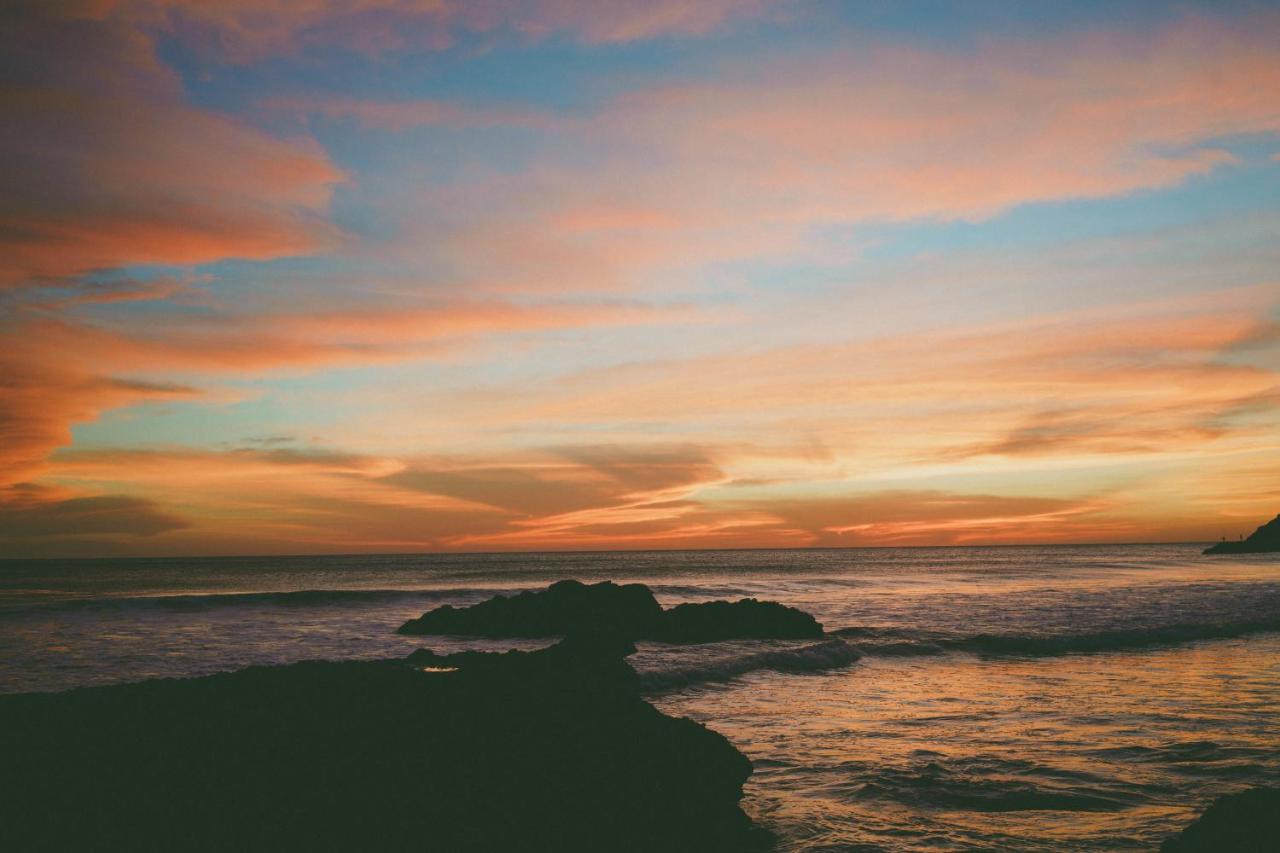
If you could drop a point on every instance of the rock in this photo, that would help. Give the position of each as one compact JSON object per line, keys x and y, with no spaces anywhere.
{"x":628,"y":611}
{"x":546,"y":750}
{"x":745,"y":619}
{"x":586,"y":661}
{"x":564,"y":607}
{"x":1265,"y":539}
{"x":1247,"y":822}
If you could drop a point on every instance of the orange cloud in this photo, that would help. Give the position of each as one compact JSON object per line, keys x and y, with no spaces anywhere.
{"x":310,"y":501}
{"x":930,"y":517}
{"x":249,"y":500}
{"x":40,"y":402}
{"x":34,"y":517}
{"x":911,"y":441}
{"x":567,"y":483}
{"x":106,"y":166}
{"x":60,"y":372}
{"x":1149,"y":380}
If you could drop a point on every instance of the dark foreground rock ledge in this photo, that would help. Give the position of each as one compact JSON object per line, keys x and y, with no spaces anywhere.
{"x":1263,"y":540}
{"x":1247,"y":822}
{"x":547,"y":750}
{"x":630,"y":610}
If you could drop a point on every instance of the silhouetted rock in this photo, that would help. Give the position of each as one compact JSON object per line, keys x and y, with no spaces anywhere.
{"x":1265,"y":538}
{"x":628,"y":611}
{"x":546,"y":750}
{"x":562,"y":608}
{"x":745,"y":619}
{"x":590,"y":661}
{"x":1247,"y":822}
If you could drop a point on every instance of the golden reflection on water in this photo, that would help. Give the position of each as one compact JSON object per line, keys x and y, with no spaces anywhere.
{"x":1105,"y":751}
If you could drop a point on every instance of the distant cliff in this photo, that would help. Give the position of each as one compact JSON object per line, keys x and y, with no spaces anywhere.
{"x":1265,"y":538}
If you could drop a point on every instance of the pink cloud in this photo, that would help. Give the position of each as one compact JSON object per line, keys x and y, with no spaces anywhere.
{"x":106,"y":165}
{"x":747,"y":163}
{"x":894,"y":133}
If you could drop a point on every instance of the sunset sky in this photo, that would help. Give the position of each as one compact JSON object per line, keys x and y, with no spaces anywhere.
{"x":415,"y":275}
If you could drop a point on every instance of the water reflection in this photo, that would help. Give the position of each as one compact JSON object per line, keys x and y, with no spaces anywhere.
{"x":1112,"y":751}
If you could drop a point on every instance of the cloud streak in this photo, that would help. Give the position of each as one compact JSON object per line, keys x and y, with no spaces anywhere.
{"x":60,"y":372}
{"x":240,"y":31}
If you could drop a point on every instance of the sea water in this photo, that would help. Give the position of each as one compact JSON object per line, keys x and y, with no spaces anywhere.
{"x":1013,"y":698}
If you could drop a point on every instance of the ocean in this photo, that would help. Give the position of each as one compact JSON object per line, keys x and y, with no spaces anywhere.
{"x":1005,"y":698}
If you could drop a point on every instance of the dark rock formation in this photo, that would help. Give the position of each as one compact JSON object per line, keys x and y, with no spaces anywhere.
{"x":1266,"y":538}
{"x":745,"y":619}
{"x":1247,"y":822}
{"x":561,"y":608}
{"x":594,"y":662}
{"x":547,"y":750}
{"x":630,"y":611}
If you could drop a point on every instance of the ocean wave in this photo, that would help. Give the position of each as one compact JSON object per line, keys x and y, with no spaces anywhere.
{"x":818,"y":657}
{"x":300,"y":598}
{"x":897,"y":642}
{"x":983,"y":785}
{"x":701,"y":591}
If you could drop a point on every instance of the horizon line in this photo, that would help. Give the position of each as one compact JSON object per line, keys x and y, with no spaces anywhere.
{"x":605,"y":551}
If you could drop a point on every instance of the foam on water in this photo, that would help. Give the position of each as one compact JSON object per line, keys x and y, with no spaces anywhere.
{"x":815,"y":657}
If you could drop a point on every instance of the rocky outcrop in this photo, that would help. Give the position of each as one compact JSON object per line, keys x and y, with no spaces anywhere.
{"x":630,"y":611}
{"x":1265,"y":539}
{"x":1247,"y":822}
{"x":562,"y":608}
{"x":723,"y":620}
{"x":547,"y":750}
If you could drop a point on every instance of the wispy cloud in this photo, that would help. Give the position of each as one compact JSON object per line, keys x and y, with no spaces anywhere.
{"x":747,"y":160}
{"x":60,"y":372}
{"x":404,"y":114}
{"x":244,"y":31}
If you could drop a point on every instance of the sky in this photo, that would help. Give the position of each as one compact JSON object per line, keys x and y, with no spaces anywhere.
{"x":339,"y":276}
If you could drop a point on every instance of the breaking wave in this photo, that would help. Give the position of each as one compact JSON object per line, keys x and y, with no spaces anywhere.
{"x":831,"y":654}
{"x":991,"y":784}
